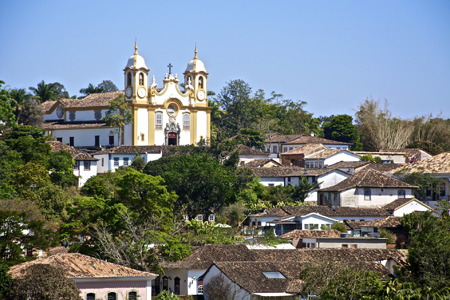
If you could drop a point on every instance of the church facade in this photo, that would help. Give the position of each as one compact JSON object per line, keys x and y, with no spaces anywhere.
{"x":161,"y":116}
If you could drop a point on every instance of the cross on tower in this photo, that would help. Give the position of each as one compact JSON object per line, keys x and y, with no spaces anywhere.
{"x":170,"y":68}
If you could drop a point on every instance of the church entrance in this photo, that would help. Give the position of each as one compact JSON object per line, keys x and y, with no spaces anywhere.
{"x":172,"y":137}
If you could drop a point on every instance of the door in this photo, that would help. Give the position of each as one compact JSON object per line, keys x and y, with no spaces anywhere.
{"x":172,"y":136}
{"x":97,"y":141}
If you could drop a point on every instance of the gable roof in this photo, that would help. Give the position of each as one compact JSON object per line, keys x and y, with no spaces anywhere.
{"x":410,"y":152}
{"x":384,"y":168}
{"x":336,"y":211}
{"x":92,"y":100}
{"x":306,"y":149}
{"x":367,"y":178}
{"x":281,"y":138}
{"x":387,"y":222}
{"x":437,"y":164}
{"x":307,"y":139}
{"x":47,"y":105}
{"x":61,"y":124}
{"x":327,"y":153}
{"x":76,"y":265}
{"x":134,"y":149}
{"x":299,"y":234}
{"x":245,"y":150}
{"x":76,"y":154}
{"x":292,"y":171}
{"x":350,"y":164}
{"x":260,"y":163}
{"x":400,"y":202}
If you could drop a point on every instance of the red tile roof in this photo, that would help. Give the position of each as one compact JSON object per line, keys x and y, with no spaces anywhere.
{"x":76,"y":154}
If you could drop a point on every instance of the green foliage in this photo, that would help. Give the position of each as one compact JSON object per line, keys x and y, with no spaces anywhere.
{"x":340,"y":128}
{"x":18,"y":98}
{"x":369,"y":157}
{"x":166,"y":295}
{"x":209,"y":233}
{"x":251,"y":138}
{"x":44,"y":92}
{"x":234,"y":213}
{"x":91,"y":89}
{"x":52,"y":200}
{"x":119,"y":114}
{"x":61,"y":166}
{"x":158,"y":167}
{"x":5,"y":280}
{"x":101,"y":185}
{"x":384,"y":233}
{"x":44,"y":282}
{"x":138,"y":163}
{"x":29,"y":178}
{"x":108,"y":86}
{"x":339,"y":226}
{"x":424,"y":181}
{"x":427,"y":146}
{"x":6,"y":111}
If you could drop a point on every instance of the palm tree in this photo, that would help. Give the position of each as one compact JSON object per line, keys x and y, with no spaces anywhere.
{"x":43,"y":92}
{"x":91,"y":89}
{"x":19,"y":96}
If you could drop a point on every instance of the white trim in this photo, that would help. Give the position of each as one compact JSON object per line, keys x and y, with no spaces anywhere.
{"x":106,"y":279}
{"x":149,"y":289}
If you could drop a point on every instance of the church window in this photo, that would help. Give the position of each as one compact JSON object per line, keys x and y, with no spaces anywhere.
{"x":90,"y":296}
{"x":186,"y":121}
{"x":141,"y":78}
{"x":158,"y":120}
{"x":60,"y":112}
{"x":200,"y":82}
{"x":112,"y":296}
{"x":165,"y":283}
{"x":129,"y":79}
{"x":171,"y":110}
{"x":132,"y":296}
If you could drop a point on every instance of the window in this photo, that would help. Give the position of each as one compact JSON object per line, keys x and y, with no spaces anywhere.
{"x":90,"y":296}
{"x":76,"y":166}
{"x":354,"y":246}
{"x":129,"y":79}
{"x":111,"y":140}
{"x":186,"y":121}
{"x":158,"y":124}
{"x":306,"y":226}
{"x":165,"y":283}
{"x":142,"y":137}
{"x":71,"y":141}
{"x":87,"y":165}
{"x":156,"y":286}
{"x":401,"y":193}
{"x":171,"y":110}
{"x":116,"y":161}
{"x":59,"y":139}
{"x":200,"y":82}
{"x":290,"y":148}
{"x":177,"y":286}
{"x":367,"y":194}
{"x":259,"y":223}
{"x":345,"y":246}
{"x":284,"y":149}
{"x":132,"y":296}
{"x":275,"y":149}
{"x":200,"y":285}
{"x":97,"y":141}
{"x":200,"y":289}
{"x":103,"y":161}
{"x":112,"y":296}
{"x":141,"y":78}
{"x":274,"y":275}
{"x":125,"y":161}
{"x":313,"y":245}
{"x":211,"y":218}
{"x":271,"y":184}
{"x":199,"y":218}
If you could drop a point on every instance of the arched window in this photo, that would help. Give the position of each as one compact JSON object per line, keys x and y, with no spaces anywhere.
{"x":132,"y":296}
{"x":90,"y":296}
{"x":156,"y":286}
{"x":112,"y":296}
{"x":129,"y":79}
{"x":141,"y":78}
{"x":177,"y":286}
{"x":186,"y":121}
{"x":401,"y":194}
{"x":165,"y":283}
{"x":259,"y":223}
{"x":367,"y":194}
{"x":200,"y":82}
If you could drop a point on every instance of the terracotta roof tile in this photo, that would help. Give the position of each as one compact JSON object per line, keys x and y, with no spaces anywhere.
{"x":396,"y":204}
{"x":75,"y":265}
{"x":49,"y":125}
{"x":306,"y":149}
{"x":244,"y":150}
{"x":293,"y":171}
{"x":282,"y":138}
{"x":437,"y":164}
{"x":325,"y":153}
{"x":76,"y":154}
{"x":307,"y":139}
{"x":350,"y":164}
{"x":367,"y":178}
{"x":336,"y":211}
{"x":384,"y":168}
{"x":299,"y":234}
{"x":260,"y":163}
{"x":46,"y":106}
{"x":134,"y":149}
{"x":92,"y":100}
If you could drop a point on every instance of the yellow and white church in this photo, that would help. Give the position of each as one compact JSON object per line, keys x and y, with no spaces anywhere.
{"x":161,"y":116}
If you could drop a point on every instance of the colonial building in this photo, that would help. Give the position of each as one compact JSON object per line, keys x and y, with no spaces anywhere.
{"x":161,"y":116}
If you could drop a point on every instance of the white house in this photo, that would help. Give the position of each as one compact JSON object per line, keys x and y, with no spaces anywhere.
{"x":113,"y":158}
{"x":329,"y":157}
{"x":368,"y":188}
{"x":85,"y":165}
{"x":404,"y":206}
{"x":350,"y":166}
{"x":247,"y":154}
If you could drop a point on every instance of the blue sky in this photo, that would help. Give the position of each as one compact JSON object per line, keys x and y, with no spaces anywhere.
{"x":332,"y":54}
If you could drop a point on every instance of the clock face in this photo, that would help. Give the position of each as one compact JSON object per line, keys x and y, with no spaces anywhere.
{"x":141,"y":92}
{"x":201,"y":95}
{"x":128,"y":92}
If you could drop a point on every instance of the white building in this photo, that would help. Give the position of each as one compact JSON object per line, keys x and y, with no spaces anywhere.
{"x":161,"y":116}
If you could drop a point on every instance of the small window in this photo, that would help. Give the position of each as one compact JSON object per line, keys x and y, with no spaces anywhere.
{"x":158,"y":120}
{"x":77,"y":165}
{"x":306,"y":226}
{"x":401,"y":194}
{"x":132,"y":296}
{"x":345,"y":246}
{"x":200,"y":82}
{"x":200,"y":289}
{"x":177,"y":286}
{"x":367,"y":194}
{"x":112,"y":296}
{"x":142,"y":137}
{"x":165,"y":283}
{"x":211,"y":218}
{"x":284,"y":149}
{"x":200,"y":218}
{"x":271,"y":184}
{"x":290,"y":148}
{"x":116,"y":161}
{"x":59,"y":139}
{"x":111,"y":140}
{"x":97,"y":141}
{"x":275,"y":149}
{"x":259,"y":223}
{"x":171,"y":110}
{"x":71,"y":141}
{"x":87,"y":165}
{"x":313,"y":245}
{"x":125,"y":161}
{"x":90,"y":296}
{"x":141,"y":78}
{"x":103,"y":161}
{"x":129,"y":78}
{"x":186,"y":121}
{"x":354,"y":246}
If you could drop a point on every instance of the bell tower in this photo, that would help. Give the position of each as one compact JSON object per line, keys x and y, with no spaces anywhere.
{"x":196,"y":79}
{"x":136,"y":78}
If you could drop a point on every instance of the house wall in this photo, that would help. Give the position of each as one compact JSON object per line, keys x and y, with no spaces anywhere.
{"x":122,"y":288}
{"x":315,"y":219}
{"x":379,"y":197}
{"x":103,"y":163}
{"x":86,"y":137}
{"x":241,"y":294}
{"x":192,"y":283}
{"x":83,"y":174}
{"x":266,"y":181}
{"x":263,"y":221}
{"x":174,"y":273}
{"x":248,"y":158}
{"x":336,"y":146}
{"x":341,"y":156}
{"x":362,"y":243}
{"x":409,"y":208}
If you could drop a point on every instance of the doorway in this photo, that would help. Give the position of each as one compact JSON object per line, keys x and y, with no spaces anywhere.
{"x":172,"y":139}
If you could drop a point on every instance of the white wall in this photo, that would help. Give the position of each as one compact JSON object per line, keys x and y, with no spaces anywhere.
{"x":272,"y":180}
{"x":53,"y":116}
{"x":336,"y":146}
{"x":241,"y":293}
{"x":102,"y":164}
{"x":85,"y":115}
{"x":341,"y":156}
{"x":316,"y":219}
{"x":192,"y":283}
{"x":379,"y":197}
{"x":409,"y":208}
{"x":83,"y":174}
{"x":202,"y":125}
{"x":85,"y":137}
{"x":142,"y":128}
{"x":338,"y":242}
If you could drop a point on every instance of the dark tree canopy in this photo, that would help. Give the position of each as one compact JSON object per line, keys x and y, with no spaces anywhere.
{"x":43,"y":282}
{"x":340,"y":128}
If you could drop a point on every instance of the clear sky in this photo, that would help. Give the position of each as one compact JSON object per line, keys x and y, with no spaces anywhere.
{"x":332,"y":54}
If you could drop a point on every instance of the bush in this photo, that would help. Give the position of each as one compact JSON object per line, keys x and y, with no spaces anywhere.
{"x":339,"y":227}
{"x":384,"y":233}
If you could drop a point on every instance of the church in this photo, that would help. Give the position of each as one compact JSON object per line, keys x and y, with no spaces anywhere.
{"x":162,"y":115}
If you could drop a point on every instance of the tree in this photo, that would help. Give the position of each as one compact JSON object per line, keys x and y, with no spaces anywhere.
{"x":52,"y":200}
{"x":108,"y":86}
{"x":425,"y":183}
{"x":19,"y":97}
{"x":43,"y":282}
{"x":138,"y":163}
{"x":29,"y":178}
{"x":6,"y":111}
{"x":251,"y":138}
{"x":166,"y":295}
{"x":118,"y":115}
{"x":61,"y":166}
{"x":32,"y":113}
{"x":44,"y":92}
{"x":427,"y":146}
{"x":101,"y":185}
{"x":339,"y":226}
{"x":5,"y":280}
{"x":369,"y":157}
{"x":59,"y":91}
{"x":219,"y":288}
{"x":340,"y":128}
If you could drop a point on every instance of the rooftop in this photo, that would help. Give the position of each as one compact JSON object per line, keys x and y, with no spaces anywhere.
{"x":76,"y":154}
{"x":336,"y":211}
{"x":350,"y":164}
{"x":134,"y":149}
{"x":299,"y":234}
{"x":307,"y":139}
{"x":258,"y":163}
{"x":61,"y":124}
{"x":306,"y":149}
{"x":396,"y":204}
{"x":437,"y":164}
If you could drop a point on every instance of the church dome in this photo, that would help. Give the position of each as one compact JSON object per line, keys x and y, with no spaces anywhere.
{"x":196,"y":64}
{"x":140,"y":61}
